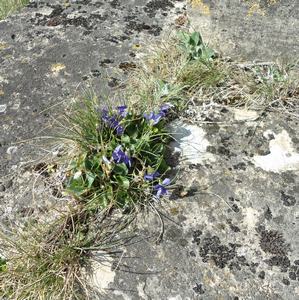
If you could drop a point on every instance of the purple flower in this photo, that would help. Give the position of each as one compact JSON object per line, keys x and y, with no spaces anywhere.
{"x":120,"y":156}
{"x":112,"y":122}
{"x":155,"y":118}
{"x":119,"y":130}
{"x":164,"y":108}
{"x":160,"y":188}
{"x":122,"y":110}
{"x":151,"y":176}
{"x":105,"y":115}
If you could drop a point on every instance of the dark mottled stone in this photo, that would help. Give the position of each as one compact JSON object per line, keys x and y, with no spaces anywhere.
{"x":198,"y":289}
{"x":292,"y":276}
{"x":192,"y":254}
{"x":235,"y":208}
{"x":240,"y":166}
{"x":210,"y":248}
{"x":279,"y":261}
{"x":287,"y":200}
{"x":268,"y":214}
{"x":273,"y":242}
{"x":196,"y":236}
{"x":262,"y":275}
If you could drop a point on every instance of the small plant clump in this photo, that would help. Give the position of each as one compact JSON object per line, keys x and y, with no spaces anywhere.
{"x":193,"y":45}
{"x":121,"y":155}
{"x":191,"y":69}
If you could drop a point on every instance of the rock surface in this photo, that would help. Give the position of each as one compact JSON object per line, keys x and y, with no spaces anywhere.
{"x":231,"y":221}
{"x":250,"y":29}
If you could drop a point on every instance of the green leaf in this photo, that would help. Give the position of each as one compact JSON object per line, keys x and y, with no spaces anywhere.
{"x":132,"y":130}
{"x":76,"y":186}
{"x":120,"y":169}
{"x":163,"y":167}
{"x":207,"y":53}
{"x":196,"y":37}
{"x":123,"y":182}
{"x":122,"y":198}
{"x":90,"y":178}
{"x":88,"y":164}
{"x":158,"y":148}
{"x":125,"y":139}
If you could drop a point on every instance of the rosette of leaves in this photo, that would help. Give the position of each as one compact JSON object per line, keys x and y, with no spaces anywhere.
{"x":192,"y":44}
{"x":120,"y":149}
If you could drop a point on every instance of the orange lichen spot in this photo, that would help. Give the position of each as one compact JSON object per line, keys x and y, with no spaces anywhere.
{"x":255,"y":9}
{"x":56,"y":68}
{"x":204,"y":8}
{"x":259,"y":7}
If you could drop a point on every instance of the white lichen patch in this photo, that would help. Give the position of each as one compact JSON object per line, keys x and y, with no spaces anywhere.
{"x":122,"y":295}
{"x":141,"y":293}
{"x":100,"y":275}
{"x":46,"y":11}
{"x":245,"y":114}
{"x":251,"y":217}
{"x":190,"y":142}
{"x":11,"y":151}
{"x":282,"y":156}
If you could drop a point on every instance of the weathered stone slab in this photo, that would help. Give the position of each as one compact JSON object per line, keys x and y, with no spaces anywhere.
{"x":252,"y":29}
{"x":233,"y":226}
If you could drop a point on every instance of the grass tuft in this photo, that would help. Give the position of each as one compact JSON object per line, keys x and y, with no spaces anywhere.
{"x":190,"y":69}
{"x":45,"y":260}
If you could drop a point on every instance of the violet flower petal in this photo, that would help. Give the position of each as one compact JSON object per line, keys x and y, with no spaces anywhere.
{"x":166,"y":181}
{"x":164,"y":108}
{"x":151,"y":176}
{"x":122,"y":110}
